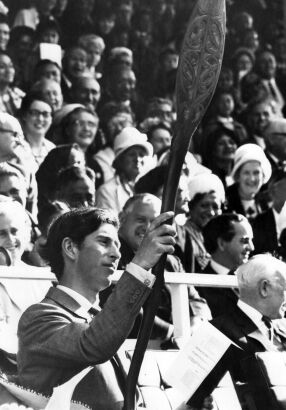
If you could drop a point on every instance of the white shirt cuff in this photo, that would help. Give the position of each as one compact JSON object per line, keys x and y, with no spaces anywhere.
{"x":141,"y":274}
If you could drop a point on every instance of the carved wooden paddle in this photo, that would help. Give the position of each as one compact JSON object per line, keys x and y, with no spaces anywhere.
{"x":197,"y":76}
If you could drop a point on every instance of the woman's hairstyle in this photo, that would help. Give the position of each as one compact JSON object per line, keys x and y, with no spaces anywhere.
{"x":76,"y":225}
{"x":210,"y":143}
{"x":28,"y":101}
{"x":67,"y":121}
{"x":73,"y":173}
{"x":159,"y":125}
{"x":57,"y":158}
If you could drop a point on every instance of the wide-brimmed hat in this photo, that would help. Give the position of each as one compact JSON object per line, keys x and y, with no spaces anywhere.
{"x":65,"y":111}
{"x":130,"y":137}
{"x":11,"y":121}
{"x":205,"y":183}
{"x":251,"y":152}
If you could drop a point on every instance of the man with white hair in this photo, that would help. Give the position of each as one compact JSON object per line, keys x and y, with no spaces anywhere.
{"x":257,"y":324}
{"x":11,"y":136}
{"x":15,"y":295}
{"x":252,"y":324}
{"x":15,"y":149}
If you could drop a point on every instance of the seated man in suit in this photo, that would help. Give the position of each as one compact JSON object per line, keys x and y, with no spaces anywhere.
{"x":228,"y":239}
{"x":135,"y":218}
{"x":252,"y":324}
{"x":66,"y":333}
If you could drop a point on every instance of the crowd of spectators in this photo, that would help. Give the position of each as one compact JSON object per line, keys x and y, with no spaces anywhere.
{"x":92,"y":84}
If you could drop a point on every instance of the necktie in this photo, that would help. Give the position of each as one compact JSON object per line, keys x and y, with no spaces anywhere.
{"x":250,"y":213}
{"x":273,"y":335}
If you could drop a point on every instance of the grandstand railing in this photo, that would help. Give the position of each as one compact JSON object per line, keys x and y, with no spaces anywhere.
{"x":177,"y":282}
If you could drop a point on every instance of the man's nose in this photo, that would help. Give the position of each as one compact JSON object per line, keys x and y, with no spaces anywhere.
{"x":250,"y":246}
{"x":10,"y":238}
{"x":115,"y":252}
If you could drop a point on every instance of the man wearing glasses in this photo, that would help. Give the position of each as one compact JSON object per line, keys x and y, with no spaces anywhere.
{"x":13,"y":148}
{"x":11,"y":136}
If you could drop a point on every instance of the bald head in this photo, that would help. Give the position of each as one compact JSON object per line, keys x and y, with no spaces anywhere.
{"x":262,"y":284}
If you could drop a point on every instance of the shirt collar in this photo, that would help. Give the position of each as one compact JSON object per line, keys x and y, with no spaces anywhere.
{"x":251,"y":312}
{"x":81,"y":300}
{"x":220,"y":269}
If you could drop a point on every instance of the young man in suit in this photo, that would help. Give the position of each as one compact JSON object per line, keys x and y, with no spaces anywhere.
{"x":66,"y":332}
{"x":228,"y":239}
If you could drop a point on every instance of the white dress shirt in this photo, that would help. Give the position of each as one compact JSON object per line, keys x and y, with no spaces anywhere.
{"x":280,"y":220}
{"x":254,"y":315}
{"x":139,"y":273}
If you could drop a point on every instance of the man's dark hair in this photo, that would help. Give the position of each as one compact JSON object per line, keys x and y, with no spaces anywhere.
{"x":76,"y":225}
{"x":221,"y":226}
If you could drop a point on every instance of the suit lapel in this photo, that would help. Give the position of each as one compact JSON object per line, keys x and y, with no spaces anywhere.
{"x":250,"y":330}
{"x":67,"y":302}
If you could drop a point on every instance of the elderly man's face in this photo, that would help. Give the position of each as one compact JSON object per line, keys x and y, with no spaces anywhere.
{"x":10,"y":139}
{"x":87,"y":93}
{"x":14,"y":187}
{"x":276,"y":297}
{"x":53,"y":93}
{"x":135,"y":223}
{"x":14,"y":234}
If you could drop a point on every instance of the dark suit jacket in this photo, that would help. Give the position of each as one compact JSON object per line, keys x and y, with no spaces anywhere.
{"x":264,"y":233}
{"x":237,"y":326}
{"x":219,"y":300}
{"x":234,"y":202}
{"x":56,"y":342}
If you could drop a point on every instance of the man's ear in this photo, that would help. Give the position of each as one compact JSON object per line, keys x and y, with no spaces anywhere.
{"x":263,"y":287}
{"x":220,"y":244}
{"x":69,"y":248}
{"x":121,"y":217}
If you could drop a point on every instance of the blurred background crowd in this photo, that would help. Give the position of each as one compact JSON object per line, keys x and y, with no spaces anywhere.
{"x":90,"y":86}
